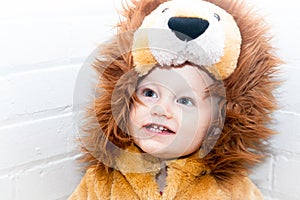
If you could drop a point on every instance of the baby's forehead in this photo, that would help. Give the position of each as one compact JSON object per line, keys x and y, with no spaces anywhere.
{"x":187,"y":76}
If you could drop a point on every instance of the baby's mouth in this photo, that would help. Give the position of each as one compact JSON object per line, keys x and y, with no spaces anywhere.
{"x":156,"y":128}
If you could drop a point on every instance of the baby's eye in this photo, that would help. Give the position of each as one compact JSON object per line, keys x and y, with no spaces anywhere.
{"x":149,"y":93}
{"x":185,"y":101}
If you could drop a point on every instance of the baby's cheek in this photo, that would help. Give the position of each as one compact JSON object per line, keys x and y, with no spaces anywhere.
{"x":137,"y":114}
{"x":190,"y":116}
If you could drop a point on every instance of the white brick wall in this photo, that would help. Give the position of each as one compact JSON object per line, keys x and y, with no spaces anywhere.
{"x":43,"y":45}
{"x":278,"y":177}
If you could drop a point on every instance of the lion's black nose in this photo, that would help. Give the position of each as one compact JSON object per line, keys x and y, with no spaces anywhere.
{"x":187,"y":29}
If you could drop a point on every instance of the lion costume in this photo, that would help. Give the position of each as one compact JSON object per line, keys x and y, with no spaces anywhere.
{"x":231,"y":43}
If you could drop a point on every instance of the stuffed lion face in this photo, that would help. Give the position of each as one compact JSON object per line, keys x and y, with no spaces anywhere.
{"x":188,"y":31}
{"x":227,"y":38}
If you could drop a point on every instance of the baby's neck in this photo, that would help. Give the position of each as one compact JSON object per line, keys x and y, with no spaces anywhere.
{"x":161,"y":177}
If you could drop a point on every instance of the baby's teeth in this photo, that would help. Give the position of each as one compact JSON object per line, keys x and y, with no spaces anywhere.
{"x":157,"y":128}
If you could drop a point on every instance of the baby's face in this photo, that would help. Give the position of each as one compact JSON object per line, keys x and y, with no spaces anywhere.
{"x":176,"y":111}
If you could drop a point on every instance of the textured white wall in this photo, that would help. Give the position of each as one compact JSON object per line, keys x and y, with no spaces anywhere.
{"x":43,"y":45}
{"x":278,"y":177}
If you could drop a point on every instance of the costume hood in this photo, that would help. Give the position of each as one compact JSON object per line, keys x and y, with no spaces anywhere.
{"x":238,"y":53}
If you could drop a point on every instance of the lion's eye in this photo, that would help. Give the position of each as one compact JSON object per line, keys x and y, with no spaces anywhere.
{"x":217,"y":16}
{"x":164,"y":10}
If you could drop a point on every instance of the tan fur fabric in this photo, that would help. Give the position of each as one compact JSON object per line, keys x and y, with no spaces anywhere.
{"x":187,"y":179}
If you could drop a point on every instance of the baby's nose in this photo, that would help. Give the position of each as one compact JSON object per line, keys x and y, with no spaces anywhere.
{"x":161,"y":111}
{"x":188,"y":28}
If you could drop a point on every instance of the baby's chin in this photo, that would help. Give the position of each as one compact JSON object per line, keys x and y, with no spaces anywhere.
{"x":164,"y":155}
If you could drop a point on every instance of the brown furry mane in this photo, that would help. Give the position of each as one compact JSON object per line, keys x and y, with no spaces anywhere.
{"x":248,"y":92}
{"x":249,"y":97}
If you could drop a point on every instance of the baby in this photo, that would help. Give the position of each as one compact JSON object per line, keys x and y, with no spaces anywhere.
{"x":174,"y":114}
{"x":182,"y":104}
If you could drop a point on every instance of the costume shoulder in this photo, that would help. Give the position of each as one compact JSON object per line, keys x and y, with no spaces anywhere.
{"x":96,"y":184}
{"x":242,"y":188}
{"x":236,"y":189}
